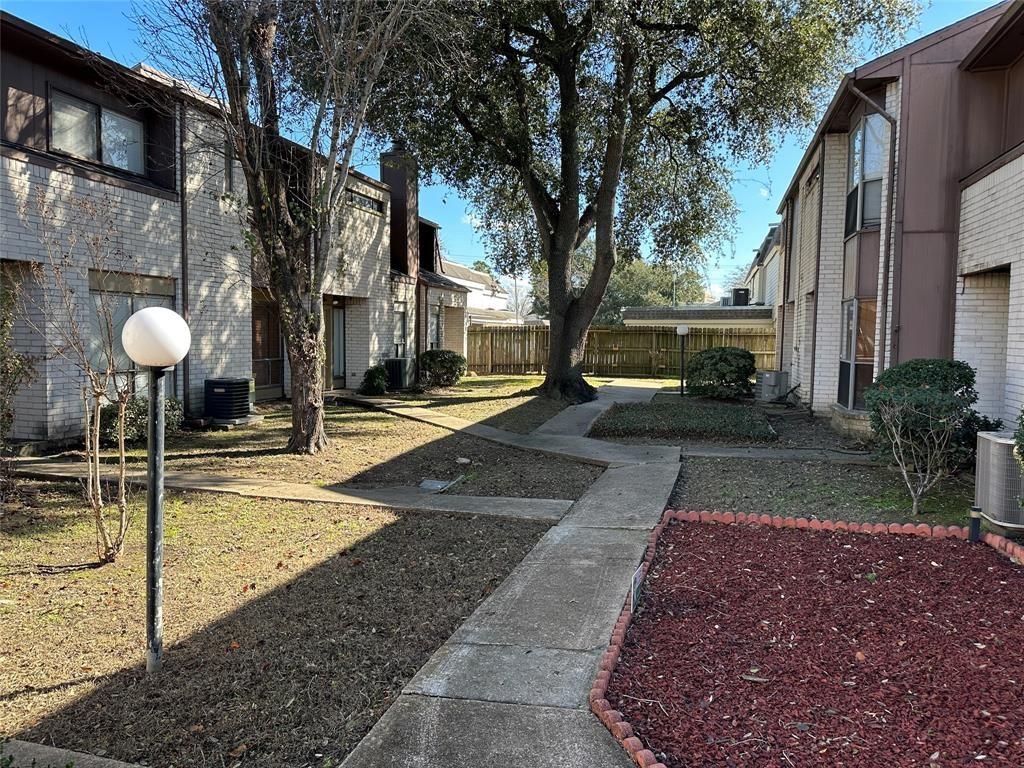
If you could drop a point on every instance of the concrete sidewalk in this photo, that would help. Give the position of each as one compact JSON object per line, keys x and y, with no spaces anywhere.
{"x":571,"y":446}
{"x":25,"y":754}
{"x":578,"y":419}
{"x":411,"y":498}
{"x":510,"y":686}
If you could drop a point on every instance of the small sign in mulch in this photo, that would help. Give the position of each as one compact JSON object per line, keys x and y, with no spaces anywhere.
{"x":767,"y":647}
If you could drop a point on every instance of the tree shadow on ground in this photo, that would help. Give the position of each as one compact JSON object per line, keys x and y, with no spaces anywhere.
{"x":300,"y":674}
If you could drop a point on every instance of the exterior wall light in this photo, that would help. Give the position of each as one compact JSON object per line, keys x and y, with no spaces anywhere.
{"x":155,"y":338}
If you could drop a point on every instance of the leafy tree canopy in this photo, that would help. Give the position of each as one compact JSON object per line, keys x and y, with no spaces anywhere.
{"x":635,"y":283}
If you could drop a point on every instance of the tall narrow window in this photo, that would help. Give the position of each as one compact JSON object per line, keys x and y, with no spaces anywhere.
{"x":434,"y":326}
{"x":401,"y":326}
{"x":338,"y":342}
{"x":864,"y":173}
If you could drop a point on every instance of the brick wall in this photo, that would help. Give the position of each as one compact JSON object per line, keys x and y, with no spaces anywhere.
{"x":990,"y":305}
{"x":830,"y":274}
{"x":145,"y":240}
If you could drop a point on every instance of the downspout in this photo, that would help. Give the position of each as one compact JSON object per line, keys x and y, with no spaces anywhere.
{"x":890,"y":210}
{"x":417,"y":325}
{"x":817,"y":266}
{"x":785,"y":286}
{"x":183,"y":218}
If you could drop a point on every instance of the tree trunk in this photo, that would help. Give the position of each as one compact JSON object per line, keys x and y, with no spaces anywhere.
{"x":566,"y":346}
{"x":306,"y":358}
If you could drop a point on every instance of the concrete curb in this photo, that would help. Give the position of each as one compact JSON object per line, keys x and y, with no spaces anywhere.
{"x":614,"y":721}
{"x":27,"y":754}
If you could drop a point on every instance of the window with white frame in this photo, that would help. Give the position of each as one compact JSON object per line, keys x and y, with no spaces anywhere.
{"x":114,"y":297}
{"x":87,"y":131}
{"x":401,"y":328}
{"x":864,"y":173}
{"x":434,"y":326}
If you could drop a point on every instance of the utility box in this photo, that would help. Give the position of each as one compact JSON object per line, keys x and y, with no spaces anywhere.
{"x":226,"y":399}
{"x":771,"y":385}
{"x":999,"y":482}
{"x":740,"y":297}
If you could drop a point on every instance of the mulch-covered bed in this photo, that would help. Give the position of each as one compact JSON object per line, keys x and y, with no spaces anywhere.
{"x":766,"y":647}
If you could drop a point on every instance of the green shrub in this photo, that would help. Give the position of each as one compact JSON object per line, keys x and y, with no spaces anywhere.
{"x":136,"y":420}
{"x":441,"y":368}
{"x":953,"y":377}
{"x":721,"y":372}
{"x":375,"y":381}
{"x":921,"y":413}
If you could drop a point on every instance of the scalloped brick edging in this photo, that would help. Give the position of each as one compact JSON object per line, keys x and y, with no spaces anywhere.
{"x":613,"y":719}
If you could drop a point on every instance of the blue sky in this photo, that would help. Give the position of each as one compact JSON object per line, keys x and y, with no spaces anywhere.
{"x":102,"y":25}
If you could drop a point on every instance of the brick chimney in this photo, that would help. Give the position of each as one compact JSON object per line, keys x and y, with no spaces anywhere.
{"x":398,"y":171}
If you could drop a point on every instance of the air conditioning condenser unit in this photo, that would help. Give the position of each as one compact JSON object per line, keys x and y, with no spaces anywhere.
{"x":999,"y":481}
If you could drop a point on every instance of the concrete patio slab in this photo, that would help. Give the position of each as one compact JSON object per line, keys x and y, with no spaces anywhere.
{"x":402,"y":497}
{"x":625,"y":497}
{"x":428,"y":732}
{"x":567,"y":604}
{"x":25,"y":754}
{"x":547,"y":677}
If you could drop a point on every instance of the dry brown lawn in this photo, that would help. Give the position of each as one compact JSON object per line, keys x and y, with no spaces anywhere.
{"x":290,"y":627}
{"x":372,"y":449}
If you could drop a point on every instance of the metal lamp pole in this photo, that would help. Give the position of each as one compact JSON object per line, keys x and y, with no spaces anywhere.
{"x":155,"y":520}
{"x":155,"y":338}
{"x":682,"y":331}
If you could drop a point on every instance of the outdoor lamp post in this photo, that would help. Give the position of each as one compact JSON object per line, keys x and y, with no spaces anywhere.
{"x":155,"y":338}
{"x":682,"y":331}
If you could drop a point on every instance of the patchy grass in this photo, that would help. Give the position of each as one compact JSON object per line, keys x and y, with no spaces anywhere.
{"x":683,"y":419}
{"x":815,"y":489}
{"x":371,"y":449}
{"x":290,"y":627}
{"x":503,"y":402}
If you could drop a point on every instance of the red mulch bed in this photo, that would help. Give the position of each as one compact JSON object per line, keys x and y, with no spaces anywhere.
{"x":766,"y":647}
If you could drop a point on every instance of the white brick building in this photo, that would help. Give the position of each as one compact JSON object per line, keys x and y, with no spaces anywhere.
{"x":100,"y":159}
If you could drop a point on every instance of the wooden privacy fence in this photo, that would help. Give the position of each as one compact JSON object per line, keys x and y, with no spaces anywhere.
{"x":611,"y":351}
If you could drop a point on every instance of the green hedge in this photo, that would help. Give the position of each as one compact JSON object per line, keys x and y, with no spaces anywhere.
{"x":136,"y":420}
{"x":723,"y":373}
{"x":375,"y":381}
{"x":441,"y":368}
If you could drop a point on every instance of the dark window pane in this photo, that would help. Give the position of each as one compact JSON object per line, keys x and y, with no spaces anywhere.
{"x":851,"y":210}
{"x":864,"y":375}
{"x":872,"y":202}
{"x":843,"y":397}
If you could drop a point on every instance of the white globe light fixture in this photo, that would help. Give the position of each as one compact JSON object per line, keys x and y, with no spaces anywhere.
{"x":682,"y":331}
{"x":158,"y":339}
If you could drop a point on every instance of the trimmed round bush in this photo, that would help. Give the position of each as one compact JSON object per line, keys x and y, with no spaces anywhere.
{"x":721,"y":372}
{"x":953,"y":378}
{"x":136,"y":420}
{"x":441,"y":368}
{"x":375,"y":381}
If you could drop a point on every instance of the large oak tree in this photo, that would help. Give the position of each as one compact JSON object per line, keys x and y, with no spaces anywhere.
{"x":562,"y":120}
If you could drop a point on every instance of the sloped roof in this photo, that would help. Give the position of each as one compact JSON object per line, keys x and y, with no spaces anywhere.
{"x":463,"y":272}
{"x":440,"y":281}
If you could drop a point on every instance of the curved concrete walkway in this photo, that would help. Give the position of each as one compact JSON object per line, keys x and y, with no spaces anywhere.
{"x":560,"y":436}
